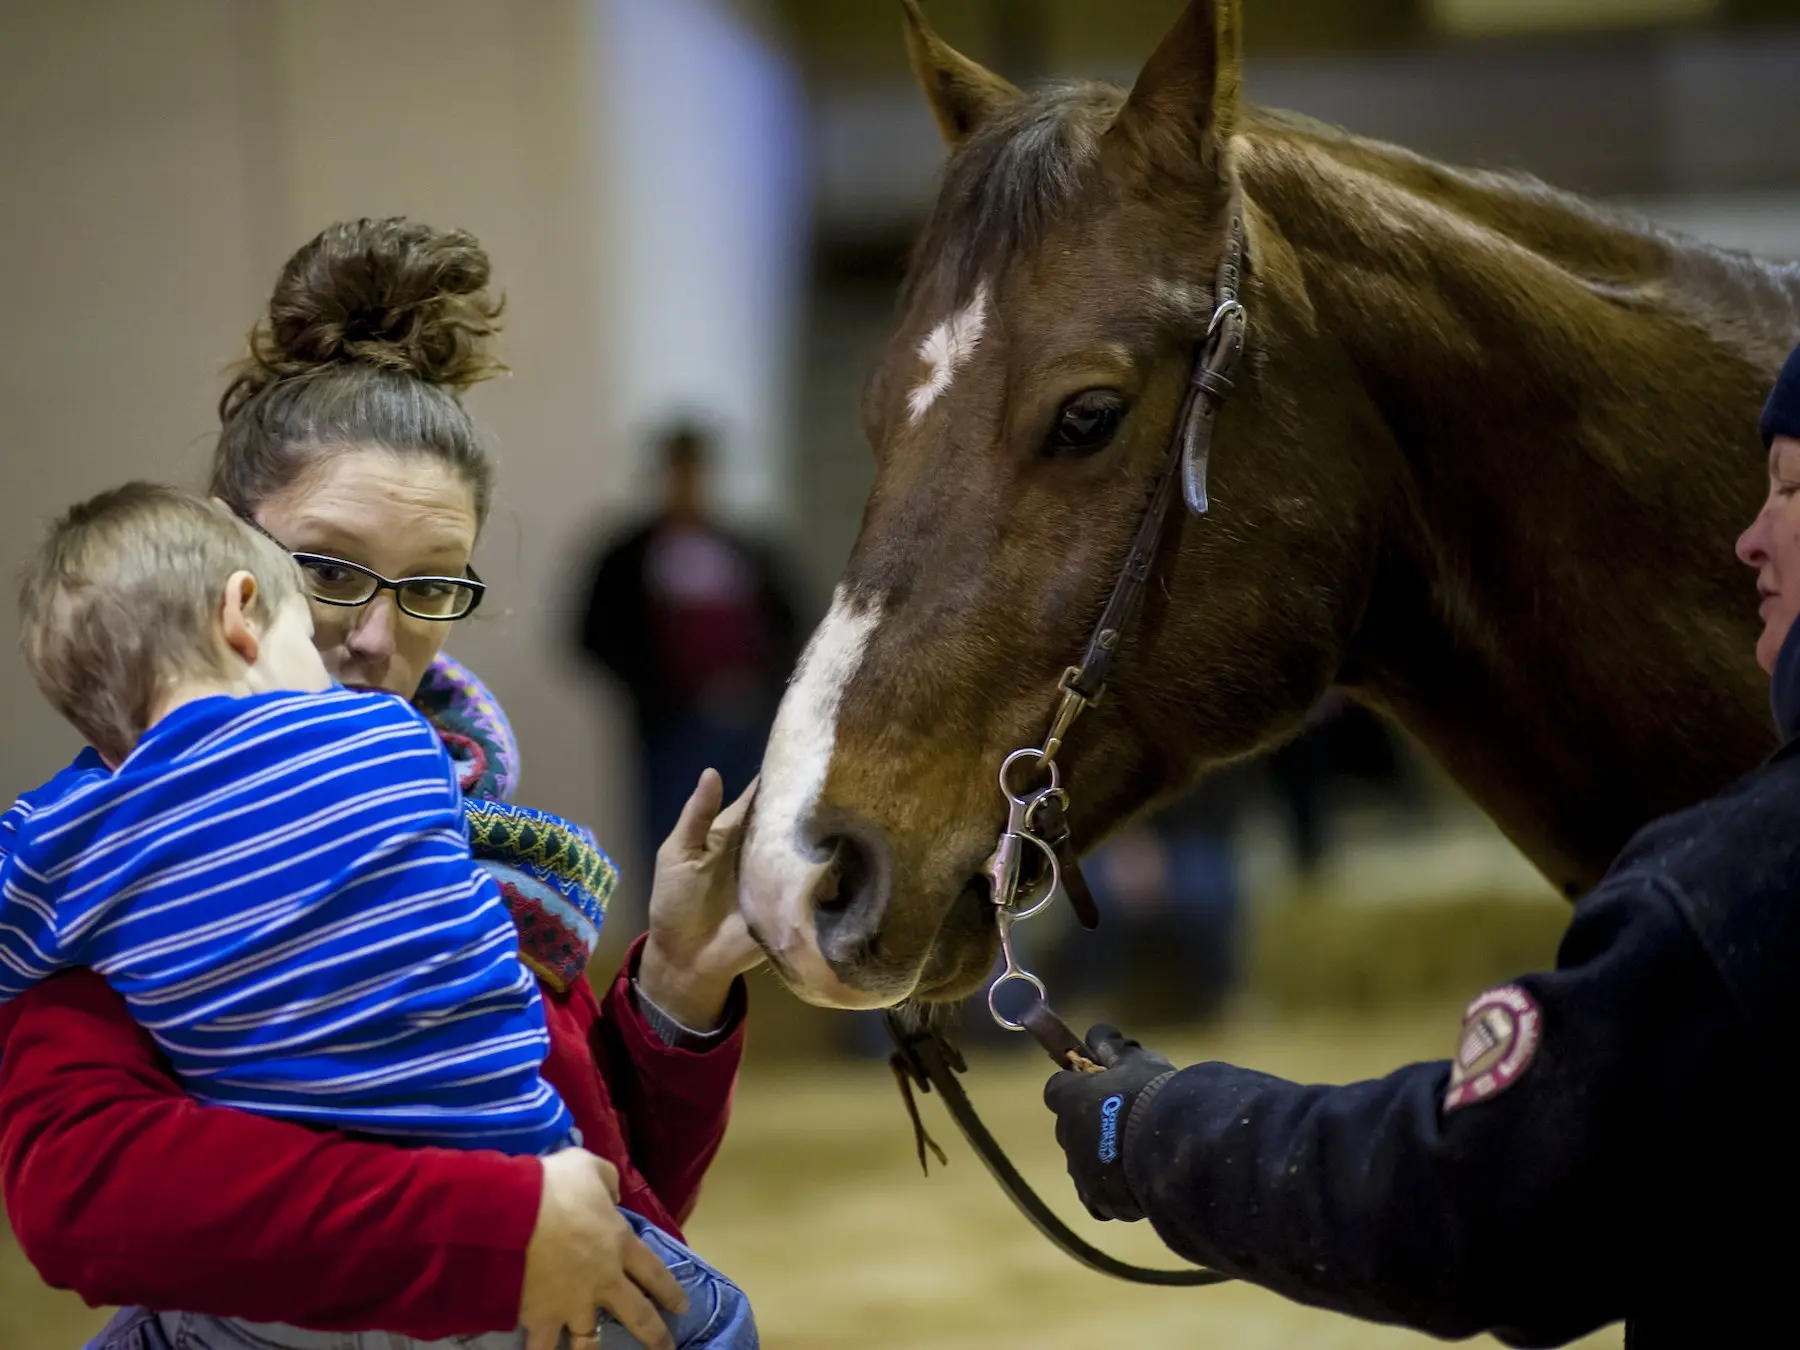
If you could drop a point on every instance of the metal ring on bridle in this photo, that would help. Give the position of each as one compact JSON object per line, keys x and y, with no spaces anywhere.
{"x":1029,"y":752}
{"x":1044,"y":799}
{"x":1052,"y":882}
{"x":1007,"y":977}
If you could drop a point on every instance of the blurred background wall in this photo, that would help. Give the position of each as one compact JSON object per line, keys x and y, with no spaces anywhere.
{"x":635,"y":168}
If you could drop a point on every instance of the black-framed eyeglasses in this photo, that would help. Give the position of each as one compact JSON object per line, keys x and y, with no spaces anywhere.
{"x":348,"y":585}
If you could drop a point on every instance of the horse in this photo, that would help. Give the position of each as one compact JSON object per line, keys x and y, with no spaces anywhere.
{"x":1486,"y":455}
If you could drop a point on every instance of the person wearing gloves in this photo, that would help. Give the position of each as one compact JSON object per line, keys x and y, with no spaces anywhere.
{"x":1607,"y":1143}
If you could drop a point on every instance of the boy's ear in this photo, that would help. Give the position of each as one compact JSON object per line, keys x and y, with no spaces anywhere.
{"x":234,"y":617}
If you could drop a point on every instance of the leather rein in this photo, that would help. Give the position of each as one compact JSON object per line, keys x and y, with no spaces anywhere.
{"x":1037,"y":821}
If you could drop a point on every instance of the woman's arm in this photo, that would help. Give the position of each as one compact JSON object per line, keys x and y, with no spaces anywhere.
{"x":675,"y":1101}
{"x":125,"y":1190}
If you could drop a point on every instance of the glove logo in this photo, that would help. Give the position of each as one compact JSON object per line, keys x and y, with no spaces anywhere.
{"x":1109,"y":1127}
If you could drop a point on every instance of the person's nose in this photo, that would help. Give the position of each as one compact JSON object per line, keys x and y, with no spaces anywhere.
{"x":1753,"y":543}
{"x":372,"y":637}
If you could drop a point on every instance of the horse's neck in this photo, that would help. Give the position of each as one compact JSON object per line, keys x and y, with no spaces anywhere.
{"x":1570,"y":405}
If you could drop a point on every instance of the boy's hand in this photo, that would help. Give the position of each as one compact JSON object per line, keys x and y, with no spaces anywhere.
{"x":583,"y":1257}
{"x":698,"y":942}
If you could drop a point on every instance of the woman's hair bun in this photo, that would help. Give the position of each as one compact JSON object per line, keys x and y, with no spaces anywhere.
{"x":393,"y":294}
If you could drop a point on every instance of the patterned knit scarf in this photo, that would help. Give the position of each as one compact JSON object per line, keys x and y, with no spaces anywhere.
{"x":551,"y":872}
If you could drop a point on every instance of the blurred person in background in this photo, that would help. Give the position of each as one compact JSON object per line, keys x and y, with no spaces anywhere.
{"x":697,"y":622}
{"x":344,"y":438}
{"x":1341,"y":742}
{"x":1299,"y":772}
{"x":1166,"y":950}
{"x":1600,"y":1148}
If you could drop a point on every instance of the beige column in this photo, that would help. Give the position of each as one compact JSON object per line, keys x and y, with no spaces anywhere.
{"x":157,"y":164}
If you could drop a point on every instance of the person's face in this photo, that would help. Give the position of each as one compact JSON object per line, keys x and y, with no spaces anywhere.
{"x":399,"y":515}
{"x":1772,"y":546}
{"x":687,"y":488}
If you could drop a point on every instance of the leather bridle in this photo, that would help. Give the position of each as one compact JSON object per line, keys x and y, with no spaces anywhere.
{"x":1037,"y":815}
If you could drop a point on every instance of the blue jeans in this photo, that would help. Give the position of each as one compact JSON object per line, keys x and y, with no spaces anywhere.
{"x":718,"y":1318}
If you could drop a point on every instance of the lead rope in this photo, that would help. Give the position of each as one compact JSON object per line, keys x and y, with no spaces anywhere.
{"x":1037,"y":820}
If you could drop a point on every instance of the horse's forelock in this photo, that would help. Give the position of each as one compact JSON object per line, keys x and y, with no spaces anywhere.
{"x":1003,"y":186}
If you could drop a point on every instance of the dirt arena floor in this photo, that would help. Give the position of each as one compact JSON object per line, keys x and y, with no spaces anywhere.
{"x":817,"y":1206}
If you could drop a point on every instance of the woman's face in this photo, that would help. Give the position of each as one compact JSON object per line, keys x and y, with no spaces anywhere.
{"x":399,"y":515}
{"x":1772,"y":546}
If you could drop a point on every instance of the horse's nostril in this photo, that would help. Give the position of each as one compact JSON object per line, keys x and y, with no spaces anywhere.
{"x":838,"y":887}
{"x":851,"y":899}
{"x":848,"y":888}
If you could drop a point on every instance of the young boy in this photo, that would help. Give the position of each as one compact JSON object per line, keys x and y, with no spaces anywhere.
{"x":274,"y":873}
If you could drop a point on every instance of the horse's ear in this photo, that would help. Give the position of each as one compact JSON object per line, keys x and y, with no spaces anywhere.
{"x":1186,"y":98}
{"x":963,"y":94}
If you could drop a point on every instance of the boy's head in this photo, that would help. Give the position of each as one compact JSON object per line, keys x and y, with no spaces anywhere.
{"x":143,"y":591}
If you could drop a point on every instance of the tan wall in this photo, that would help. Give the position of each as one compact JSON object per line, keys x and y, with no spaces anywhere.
{"x":157,"y":164}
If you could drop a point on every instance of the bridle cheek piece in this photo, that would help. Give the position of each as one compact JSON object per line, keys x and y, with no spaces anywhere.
{"x":1037,"y":804}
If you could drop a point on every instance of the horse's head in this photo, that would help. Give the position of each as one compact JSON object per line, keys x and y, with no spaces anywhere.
{"x":1019,"y":416}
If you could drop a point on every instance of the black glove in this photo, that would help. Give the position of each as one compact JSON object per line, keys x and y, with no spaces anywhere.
{"x":1094,"y":1112}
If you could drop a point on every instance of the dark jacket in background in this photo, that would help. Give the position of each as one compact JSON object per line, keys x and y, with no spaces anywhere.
{"x":617,"y":625}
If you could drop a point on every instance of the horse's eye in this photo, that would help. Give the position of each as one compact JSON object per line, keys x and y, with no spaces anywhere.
{"x":1087,"y":423}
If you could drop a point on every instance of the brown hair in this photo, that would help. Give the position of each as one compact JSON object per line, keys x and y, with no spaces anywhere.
{"x":122,"y":598}
{"x":374,"y":330}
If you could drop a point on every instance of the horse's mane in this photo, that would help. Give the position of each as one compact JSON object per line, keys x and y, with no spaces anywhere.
{"x":1019,"y":170}
{"x":1607,"y":249}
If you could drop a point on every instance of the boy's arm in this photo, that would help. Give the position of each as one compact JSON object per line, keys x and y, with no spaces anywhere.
{"x":82,"y":769}
{"x":9,"y":830}
{"x":30,"y":951}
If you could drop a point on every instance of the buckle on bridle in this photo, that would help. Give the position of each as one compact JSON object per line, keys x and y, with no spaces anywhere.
{"x":1232,"y":308}
{"x":1071,"y":706}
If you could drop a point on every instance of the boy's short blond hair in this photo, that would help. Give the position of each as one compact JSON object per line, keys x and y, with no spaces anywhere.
{"x":122,"y":600}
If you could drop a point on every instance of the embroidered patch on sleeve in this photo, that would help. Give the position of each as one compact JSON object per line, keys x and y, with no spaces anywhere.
{"x":1499,"y":1038}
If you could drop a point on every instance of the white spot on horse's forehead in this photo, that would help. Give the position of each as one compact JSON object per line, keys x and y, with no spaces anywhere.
{"x":802,"y":741}
{"x":946,"y":348}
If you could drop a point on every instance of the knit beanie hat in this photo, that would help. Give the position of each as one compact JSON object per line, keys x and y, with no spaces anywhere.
{"x":1781,"y":414}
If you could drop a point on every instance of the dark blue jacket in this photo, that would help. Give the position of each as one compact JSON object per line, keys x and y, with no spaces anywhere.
{"x":1614,"y":1145}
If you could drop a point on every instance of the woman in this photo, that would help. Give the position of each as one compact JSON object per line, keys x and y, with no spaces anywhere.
{"x":1607,"y":1143}
{"x":344,"y":438}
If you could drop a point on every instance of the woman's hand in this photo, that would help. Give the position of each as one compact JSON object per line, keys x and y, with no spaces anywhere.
{"x":698,"y":942}
{"x":583,"y":1256}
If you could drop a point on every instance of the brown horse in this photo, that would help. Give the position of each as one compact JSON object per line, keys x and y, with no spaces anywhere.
{"x":1482,"y":468}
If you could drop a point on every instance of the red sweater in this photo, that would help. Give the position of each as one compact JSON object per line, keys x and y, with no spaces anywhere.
{"x":125,"y":1190}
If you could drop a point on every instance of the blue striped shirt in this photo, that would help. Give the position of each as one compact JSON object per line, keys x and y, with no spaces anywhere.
{"x":281,"y":888}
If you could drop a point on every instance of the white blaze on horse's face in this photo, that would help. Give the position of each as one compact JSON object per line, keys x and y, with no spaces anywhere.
{"x":946,"y":349}
{"x":784,"y":869}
